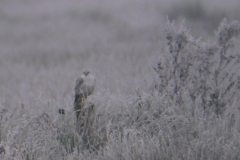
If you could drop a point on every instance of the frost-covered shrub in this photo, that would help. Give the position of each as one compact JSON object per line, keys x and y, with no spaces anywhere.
{"x":206,"y":72}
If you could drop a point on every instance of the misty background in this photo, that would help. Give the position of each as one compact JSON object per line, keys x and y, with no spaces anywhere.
{"x":45,"y":45}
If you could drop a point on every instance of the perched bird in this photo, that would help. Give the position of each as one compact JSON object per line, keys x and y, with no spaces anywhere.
{"x":84,"y":87}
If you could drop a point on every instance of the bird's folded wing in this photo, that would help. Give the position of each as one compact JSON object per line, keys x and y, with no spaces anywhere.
{"x":79,"y":82}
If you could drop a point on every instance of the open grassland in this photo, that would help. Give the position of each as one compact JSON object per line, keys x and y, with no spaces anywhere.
{"x":45,"y":45}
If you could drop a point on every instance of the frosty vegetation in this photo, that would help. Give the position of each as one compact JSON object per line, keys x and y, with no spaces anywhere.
{"x":192,"y":112}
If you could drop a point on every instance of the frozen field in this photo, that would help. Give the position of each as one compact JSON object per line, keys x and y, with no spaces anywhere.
{"x":45,"y":45}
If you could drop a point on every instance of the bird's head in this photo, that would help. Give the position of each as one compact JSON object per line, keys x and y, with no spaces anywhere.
{"x":86,"y":72}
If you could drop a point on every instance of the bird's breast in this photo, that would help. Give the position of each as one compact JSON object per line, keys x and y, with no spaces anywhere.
{"x":88,"y":86}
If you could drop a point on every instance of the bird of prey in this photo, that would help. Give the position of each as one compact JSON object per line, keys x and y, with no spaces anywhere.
{"x":84,"y":87}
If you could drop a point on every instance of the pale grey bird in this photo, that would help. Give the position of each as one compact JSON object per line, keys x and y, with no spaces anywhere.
{"x":84,"y":86}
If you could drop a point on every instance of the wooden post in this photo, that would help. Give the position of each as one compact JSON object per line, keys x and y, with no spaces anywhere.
{"x":85,"y":115}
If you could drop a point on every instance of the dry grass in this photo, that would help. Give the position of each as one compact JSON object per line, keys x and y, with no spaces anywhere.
{"x":45,"y":45}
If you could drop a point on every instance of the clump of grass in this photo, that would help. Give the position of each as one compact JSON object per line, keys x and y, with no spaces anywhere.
{"x":205,"y":72}
{"x":192,"y":112}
